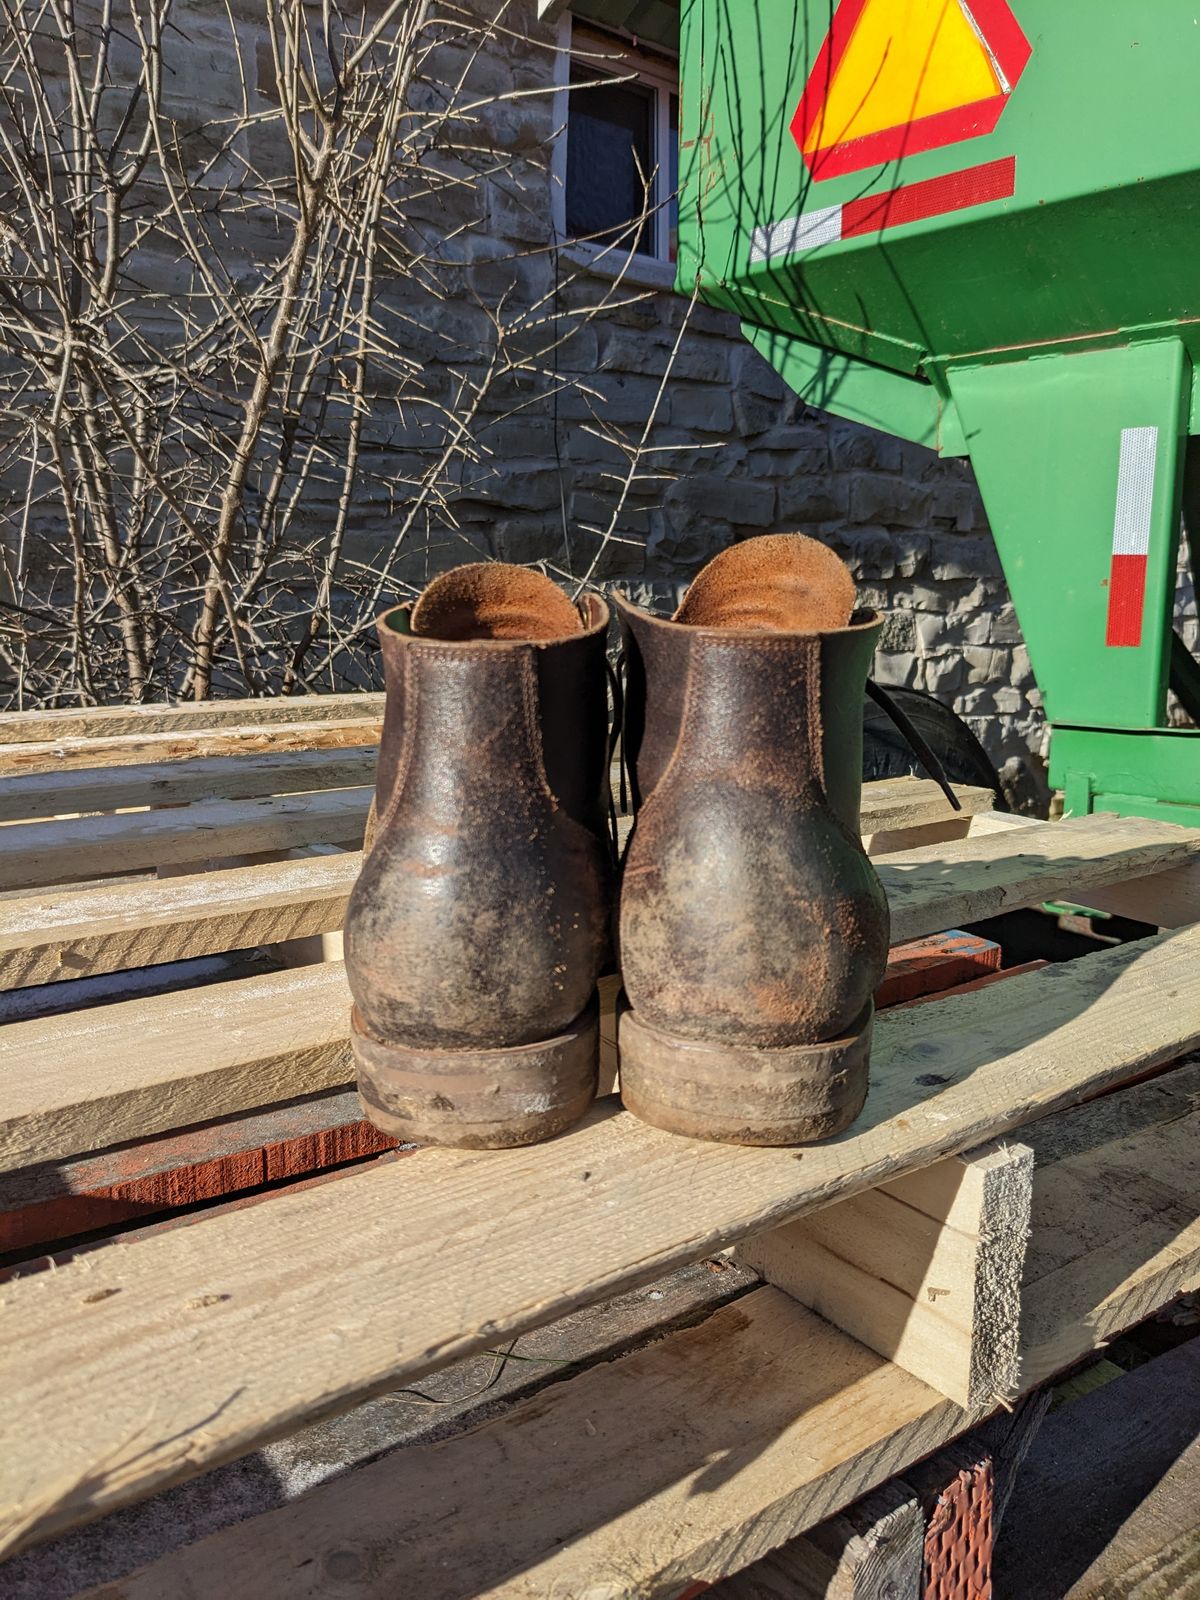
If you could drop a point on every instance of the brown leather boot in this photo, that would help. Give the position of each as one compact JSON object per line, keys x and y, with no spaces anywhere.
{"x":480,"y":921}
{"x":753,"y":929}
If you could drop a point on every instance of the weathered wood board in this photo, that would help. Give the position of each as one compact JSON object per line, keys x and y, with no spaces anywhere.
{"x":252,"y":1321}
{"x":756,"y":1423}
{"x":60,"y":933}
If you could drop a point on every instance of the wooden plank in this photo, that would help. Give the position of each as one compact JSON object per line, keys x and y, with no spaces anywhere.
{"x":1166,"y":900}
{"x":33,"y":854}
{"x":1169,"y":899}
{"x":161,"y":749}
{"x":189,"y":1348}
{"x":1105,"y":1507}
{"x":940,"y":1298}
{"x":983,"y":875}
{"x":67,"y":1196}
{"x":101,"y":1076}
{"x":1006,"y":821}
{"x":188,"y":717}
{"x":74,"y":933}
{"x":42,"y":853}
{"x":932,"y":1271}
{"x":944,"y":831}
{"x":57,"y":1106}
{"x":45,"y":1204}
{"x":1116,"y":1219}
{"x":897,"y":813}
{"x":891,"y":804}
{"x":748,"y":1428}
{"x":50,"y":936}
{"x":872,"y":1551}
{"x":69,"y":793}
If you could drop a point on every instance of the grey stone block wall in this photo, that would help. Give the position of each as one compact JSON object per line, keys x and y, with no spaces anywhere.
{"x":734,"y":454}
{"x":739,"y":454}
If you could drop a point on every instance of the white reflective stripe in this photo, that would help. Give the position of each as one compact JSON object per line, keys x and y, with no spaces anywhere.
{"x":1135,"y":491}
{"x":993,"y":59}
{"x":796,"y":233}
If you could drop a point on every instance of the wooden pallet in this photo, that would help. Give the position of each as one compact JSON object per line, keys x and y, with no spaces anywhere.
{"x":163,"y":788}
{"x":173,"y":1348}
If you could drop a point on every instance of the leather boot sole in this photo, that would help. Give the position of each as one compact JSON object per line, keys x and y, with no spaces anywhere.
{"x":480,"y":1099}
{"x":737,"y":1095}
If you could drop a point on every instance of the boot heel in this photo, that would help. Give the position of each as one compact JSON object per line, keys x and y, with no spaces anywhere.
{"x":744,"y":1095}
{"x":480,"y":1099}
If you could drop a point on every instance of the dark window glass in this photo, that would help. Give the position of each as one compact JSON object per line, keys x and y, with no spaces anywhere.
{"x":610,"y":145}
{"x":673,"y":181}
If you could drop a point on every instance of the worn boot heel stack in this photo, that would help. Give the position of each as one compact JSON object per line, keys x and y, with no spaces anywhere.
{"x":479,"y":924}
{"x":753,"y":929}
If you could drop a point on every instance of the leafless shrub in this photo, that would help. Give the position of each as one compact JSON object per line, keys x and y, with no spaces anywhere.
{"x":208,"y":327}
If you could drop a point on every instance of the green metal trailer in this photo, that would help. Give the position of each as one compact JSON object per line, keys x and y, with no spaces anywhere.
{"x":976,"y":224}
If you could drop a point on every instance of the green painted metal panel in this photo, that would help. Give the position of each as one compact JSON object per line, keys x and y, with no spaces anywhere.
{"x":1099,"y":236}
{"x":1134,"y":774}
{"x":1046,"y":440}
{"x":993,"y":256}
{"x":863,"y":393}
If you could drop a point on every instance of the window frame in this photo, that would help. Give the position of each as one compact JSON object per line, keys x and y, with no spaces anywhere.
{"x":656,"y":70}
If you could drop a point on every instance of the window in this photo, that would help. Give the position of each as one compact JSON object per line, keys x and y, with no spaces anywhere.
{"x":622,"y":147}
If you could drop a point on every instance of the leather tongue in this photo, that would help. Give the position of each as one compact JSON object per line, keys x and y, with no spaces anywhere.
{"x":779,"y":582}
{"x":491,"y":600}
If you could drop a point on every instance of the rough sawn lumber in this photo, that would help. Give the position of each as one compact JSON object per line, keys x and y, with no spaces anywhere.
{"x":34,"y":853}
{"x":189,"y":716}
{"x":1115,"y":1219}
{"x":41,"y":853}
{"x":678,"y":1462}
{"x":872,"y":1551}
{"x":157,"y":1064}
{"x":159,"y":1068}
{"x":69,"y":934}
{"x":925,"y":1271}
{"x":65,"y":793}
{"x":175,"y":750}
{"x":191,"y":1347}
{"x":59,"y":934}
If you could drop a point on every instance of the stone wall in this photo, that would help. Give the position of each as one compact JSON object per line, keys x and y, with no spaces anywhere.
{"x":744,"y":457}
{"x":735,"y":454}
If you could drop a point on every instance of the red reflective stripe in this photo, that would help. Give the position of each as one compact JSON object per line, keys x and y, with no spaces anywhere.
{"x":914,"y":202}
{"x":1003,"y":38}
{"x":1126,"y":599}
{"x":913,"y":139}
{"x":829,"y":57}
{"x":1004,"y":34}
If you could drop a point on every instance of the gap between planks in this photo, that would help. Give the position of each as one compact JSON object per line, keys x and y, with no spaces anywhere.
{"x":58,"y":933}
{"x":189,"y":1348}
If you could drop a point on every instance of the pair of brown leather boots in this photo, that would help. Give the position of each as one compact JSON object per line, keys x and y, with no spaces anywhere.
{"x":751,"y":928}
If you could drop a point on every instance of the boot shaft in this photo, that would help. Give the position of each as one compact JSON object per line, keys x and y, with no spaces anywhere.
{"x":480,"y":918}
{"x":783,"y":711}
{"x":749,"y":912}
{"x":481,"y":718}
